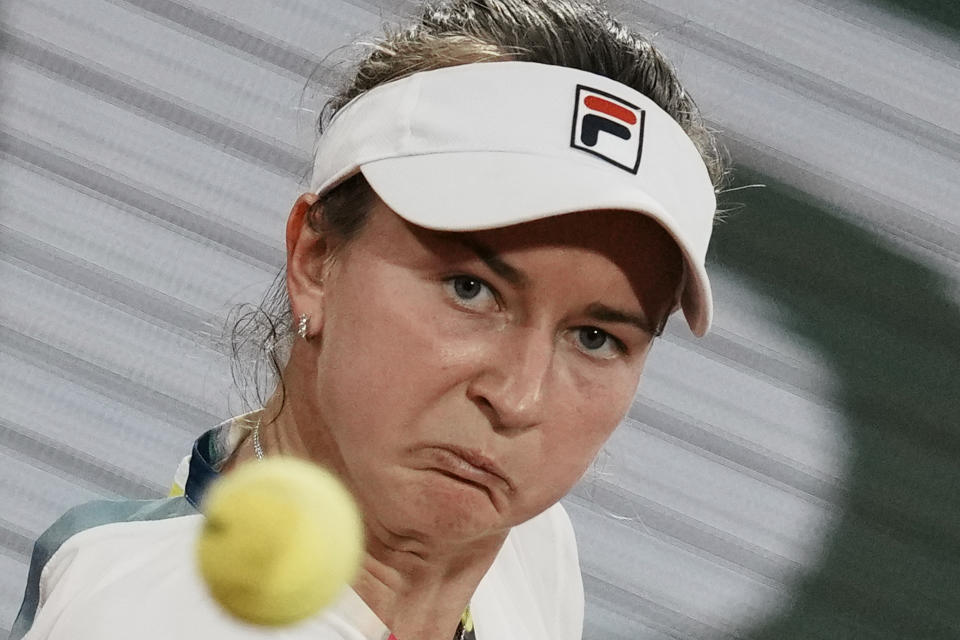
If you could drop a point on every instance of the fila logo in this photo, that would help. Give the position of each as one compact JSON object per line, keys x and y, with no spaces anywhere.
{"x":608,"y":127}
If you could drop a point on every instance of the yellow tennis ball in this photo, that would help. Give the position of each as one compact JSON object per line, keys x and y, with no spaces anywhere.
{"x":282,"y":537}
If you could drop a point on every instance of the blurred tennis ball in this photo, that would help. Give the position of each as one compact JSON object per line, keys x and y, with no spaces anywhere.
{"x":282,"y":537}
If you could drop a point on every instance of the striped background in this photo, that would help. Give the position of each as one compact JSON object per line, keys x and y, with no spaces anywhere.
{"x":793,"y":475}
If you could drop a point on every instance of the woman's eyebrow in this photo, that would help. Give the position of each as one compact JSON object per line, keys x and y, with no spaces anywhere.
{"x":603,"y":313}
{"x":493,"y":260}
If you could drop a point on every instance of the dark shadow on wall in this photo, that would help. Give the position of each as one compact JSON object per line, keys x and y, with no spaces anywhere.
{"x":891,"y":568}
{"x":945,"y":13}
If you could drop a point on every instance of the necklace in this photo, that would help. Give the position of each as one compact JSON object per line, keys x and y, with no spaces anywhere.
{"x":257,"y":447}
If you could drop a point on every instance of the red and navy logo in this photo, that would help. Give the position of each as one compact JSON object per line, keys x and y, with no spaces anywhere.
{"x":608,"y":127}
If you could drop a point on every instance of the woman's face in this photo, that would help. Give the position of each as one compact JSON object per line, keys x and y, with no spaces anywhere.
{"x":464,"y":381}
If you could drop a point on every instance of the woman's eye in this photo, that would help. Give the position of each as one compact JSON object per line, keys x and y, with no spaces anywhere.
{"x":598,"y":343}
{"x":471,"y":292}
{"x":467,"y":288}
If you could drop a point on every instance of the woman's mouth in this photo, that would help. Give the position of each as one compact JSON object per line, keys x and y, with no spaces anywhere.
{"x":469,"y":466}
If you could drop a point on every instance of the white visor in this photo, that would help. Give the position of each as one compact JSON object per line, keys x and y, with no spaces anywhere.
{"x":487,"y":145}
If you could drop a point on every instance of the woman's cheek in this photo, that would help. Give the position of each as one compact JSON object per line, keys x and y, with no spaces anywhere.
{"x":603,"y":392}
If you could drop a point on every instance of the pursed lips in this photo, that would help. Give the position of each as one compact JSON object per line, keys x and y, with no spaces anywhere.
{"x":471,"y":466}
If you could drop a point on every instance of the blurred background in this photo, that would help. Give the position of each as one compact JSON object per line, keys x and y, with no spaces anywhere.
{"x":795,"y":474}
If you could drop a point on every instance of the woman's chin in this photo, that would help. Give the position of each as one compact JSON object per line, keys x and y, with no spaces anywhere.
{"x":443,"y":510}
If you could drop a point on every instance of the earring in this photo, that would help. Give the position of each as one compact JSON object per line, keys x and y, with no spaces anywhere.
{"x":302,"y":328}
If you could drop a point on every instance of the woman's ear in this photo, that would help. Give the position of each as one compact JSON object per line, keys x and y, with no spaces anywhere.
{"x":307,"y":252}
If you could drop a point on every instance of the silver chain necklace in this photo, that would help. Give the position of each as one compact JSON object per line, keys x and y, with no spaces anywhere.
{"x":257,"y":447}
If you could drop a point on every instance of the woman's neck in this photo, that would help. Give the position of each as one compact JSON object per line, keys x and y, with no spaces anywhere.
{"x":419,"y":589}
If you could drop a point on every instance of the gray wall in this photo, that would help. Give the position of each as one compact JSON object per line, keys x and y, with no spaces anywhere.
{"x":793,"y":475}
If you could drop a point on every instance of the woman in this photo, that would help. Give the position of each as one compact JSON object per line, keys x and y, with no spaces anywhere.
{"x":508,"y":202}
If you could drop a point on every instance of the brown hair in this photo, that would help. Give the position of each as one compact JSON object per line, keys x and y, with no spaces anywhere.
{"x":572,"y":33}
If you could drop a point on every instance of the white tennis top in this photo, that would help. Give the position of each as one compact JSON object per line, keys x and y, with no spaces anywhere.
{"x":126,"y":569}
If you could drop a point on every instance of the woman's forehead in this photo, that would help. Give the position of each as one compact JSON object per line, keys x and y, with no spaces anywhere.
{"x":624,"y":236}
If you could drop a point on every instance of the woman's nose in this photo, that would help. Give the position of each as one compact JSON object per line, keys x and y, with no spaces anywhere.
{"x":512,"y":384}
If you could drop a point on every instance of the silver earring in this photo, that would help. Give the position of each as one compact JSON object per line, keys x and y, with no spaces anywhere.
{"x":302,"y":328}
